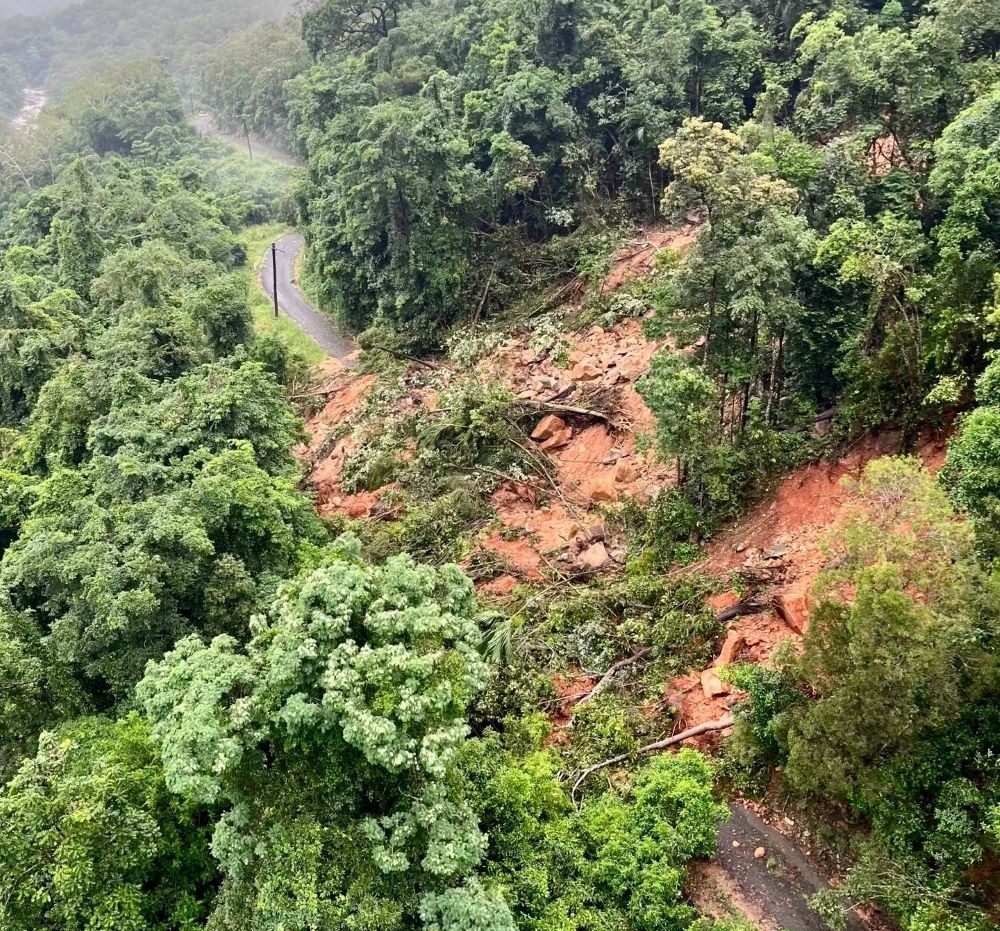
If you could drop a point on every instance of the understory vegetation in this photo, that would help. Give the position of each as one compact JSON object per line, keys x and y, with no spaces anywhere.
{"x":220,"y":710}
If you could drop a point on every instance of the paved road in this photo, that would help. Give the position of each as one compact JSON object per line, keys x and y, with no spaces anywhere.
{"x":780,"y":884}
{"x":292,"y":302}
{"x":204,"y":124}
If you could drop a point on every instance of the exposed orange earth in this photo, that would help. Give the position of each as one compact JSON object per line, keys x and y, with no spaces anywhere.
{"x":784,"y":535}
{"x":557,"y":531}
{"x":594,"y":463}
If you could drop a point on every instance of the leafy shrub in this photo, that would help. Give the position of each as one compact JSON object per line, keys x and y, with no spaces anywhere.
{"x":617,"y":862}
{"x":432,"y":531}
{"x":971,"y":472}
{"x":92,"y":837}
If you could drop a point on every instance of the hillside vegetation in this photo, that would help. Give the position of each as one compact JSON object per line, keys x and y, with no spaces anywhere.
{"x":485,"y":627}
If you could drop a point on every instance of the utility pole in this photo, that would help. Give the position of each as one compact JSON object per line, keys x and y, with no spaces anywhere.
{"x":246,"y":129}
{"x":274,"y":275}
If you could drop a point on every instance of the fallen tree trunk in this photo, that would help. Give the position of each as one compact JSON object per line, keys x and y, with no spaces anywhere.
{"x":750,"y":606}
{"x":719,"y":725}
{"x":612,"y":671}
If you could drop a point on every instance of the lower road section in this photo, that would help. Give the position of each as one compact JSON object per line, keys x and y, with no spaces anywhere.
{"x":293,"y":303}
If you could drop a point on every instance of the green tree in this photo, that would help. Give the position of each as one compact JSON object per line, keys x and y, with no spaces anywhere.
{"x":686,"y":404}
{"x":332,"y":743}
{"x":93,"y":839}
{"x":972,"y":470}
{"x":616,"y":862}
{"x":884,"y":365}
{"x":736,"y":294}
{"x":391,"y":218}
{"x":336,"y":25}
{"x":964,"y":179}
{"x":889,"y":79}
{"x":890,"y":708}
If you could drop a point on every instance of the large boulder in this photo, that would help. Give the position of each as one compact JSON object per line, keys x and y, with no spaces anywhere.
{"x":549,"y":426}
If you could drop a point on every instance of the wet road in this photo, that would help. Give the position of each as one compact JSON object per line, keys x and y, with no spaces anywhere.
{"x":779,"y":884}
{"x":204,"y":124}
{"x":293,"y":303}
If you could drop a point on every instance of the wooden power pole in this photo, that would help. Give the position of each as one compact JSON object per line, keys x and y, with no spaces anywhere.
{"x":274,"y":275}
{"x":246,"y":130}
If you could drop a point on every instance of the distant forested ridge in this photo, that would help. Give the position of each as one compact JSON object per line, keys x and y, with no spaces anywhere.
{"x":64,"y":44}
{"x":10,"y":8}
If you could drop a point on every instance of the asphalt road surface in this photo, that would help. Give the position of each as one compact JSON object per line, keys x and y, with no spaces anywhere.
{"x":779,"y":884}
{"x":292,"y":302}
{"x":204,"y":124}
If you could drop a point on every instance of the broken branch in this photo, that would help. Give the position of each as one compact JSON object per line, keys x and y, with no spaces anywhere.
{"x":612,"y":671}
{"x":699,"y":729}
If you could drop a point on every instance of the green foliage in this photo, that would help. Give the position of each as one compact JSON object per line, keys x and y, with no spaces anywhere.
{"x":837,"y":168}
{"x":617,"y":862}
{"x":916,"y":616}
{"x":93,"y":839}
{"x":91,"y":38}
{"x":889,"y":707}
{"x":685,"y":402}
{"x":398,"y":197}
{"x":738,"y":291}
{"x":848,"y":67}
{"x":11,"y":86}
{"x":335,"y":735}
{"x":770,"y":694}
{"x":36,"y":334}
{"x":438,"y":136}
{"x":152,"y":491}
{"x":661,"y":533}
{"x":431,"y":531}
{"x":243,"y":78}
{"x":972,"y":470}
{"x":720,"y":467}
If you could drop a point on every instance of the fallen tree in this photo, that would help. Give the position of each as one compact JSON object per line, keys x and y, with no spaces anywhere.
{"x":749,"y":606}
{"x":699,"y":729}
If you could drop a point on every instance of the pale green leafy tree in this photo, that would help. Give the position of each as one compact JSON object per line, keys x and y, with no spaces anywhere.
{"x":331,"y":741}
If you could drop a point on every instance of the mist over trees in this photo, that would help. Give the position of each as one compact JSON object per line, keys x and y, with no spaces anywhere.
{"x":9,"y":8}
{"x":68,"y":44}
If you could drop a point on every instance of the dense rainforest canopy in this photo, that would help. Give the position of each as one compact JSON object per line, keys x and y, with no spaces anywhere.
{"x":221,"y":711}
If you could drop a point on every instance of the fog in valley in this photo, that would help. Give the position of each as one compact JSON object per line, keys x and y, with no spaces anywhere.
{"x":10,"y":8}
{"x":499,"y":465}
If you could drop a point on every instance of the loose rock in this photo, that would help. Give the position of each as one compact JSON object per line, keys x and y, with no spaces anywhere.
{"x":595,"y":557}
{"x":550,"y":425}
{"x":712,"y":685}
{"x":735,"y":642}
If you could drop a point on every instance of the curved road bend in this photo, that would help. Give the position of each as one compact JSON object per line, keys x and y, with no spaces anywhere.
{"x":292,"y":302}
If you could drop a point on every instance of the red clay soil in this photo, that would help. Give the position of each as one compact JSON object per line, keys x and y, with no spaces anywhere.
{"x":783,"y":538}
{"x":808,"y":505}
{"x":344,"y":392}
{"x":636,"y":259}
{"x":554,"y":529}
{"x":884,"y":156}
{"x":569,"y":689}
{"x":593,"y":462}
